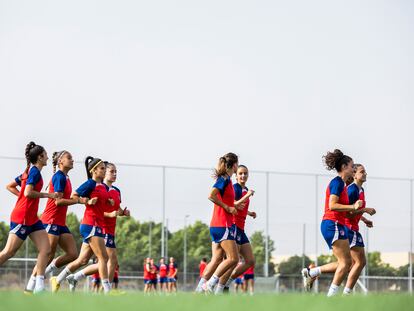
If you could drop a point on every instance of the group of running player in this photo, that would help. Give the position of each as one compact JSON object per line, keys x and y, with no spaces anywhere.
{"x":232,"y":253}
{"x":163,"y":274}
{"x":102,"y":201}
{"x":344,"y":208}
{"x":230,"y":243}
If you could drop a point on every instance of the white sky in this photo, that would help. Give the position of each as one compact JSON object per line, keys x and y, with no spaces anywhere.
{"x":180,"y":83}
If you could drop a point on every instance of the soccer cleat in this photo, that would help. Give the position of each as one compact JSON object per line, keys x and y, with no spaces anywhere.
{"x":226,"y":290}
{"x":54,"y":284}
{"x":28,"y":292}
{"x":307,"y":279}
{"x":72,"y":282}
{"x":207,"y":289}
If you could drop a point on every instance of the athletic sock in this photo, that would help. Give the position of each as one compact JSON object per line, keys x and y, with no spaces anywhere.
{"x":79,"y":275}
{"x":333,"y":290}
{"x":347,"y":291}
{"x":31,"y":284}
{"x":213,"y":281}
{"x":40,"y":283}
{"x":106,"y":286}
{"x":228,"y":283}
{"x":200,"y":284}
{"x":314,"y":272}
{"x":62,"y":275}
{"x":219,"y":289}
{"x":51,"y":268}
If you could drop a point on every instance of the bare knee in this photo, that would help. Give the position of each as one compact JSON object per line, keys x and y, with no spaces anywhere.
{"x":72,"y":256}
{"x":104,"y":257}
{"x":345,"y":264}
{"x":7,"y":253}
{"x":82,"y":261}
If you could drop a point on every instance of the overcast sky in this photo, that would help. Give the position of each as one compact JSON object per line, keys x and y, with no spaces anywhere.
{"x":183,"y":82}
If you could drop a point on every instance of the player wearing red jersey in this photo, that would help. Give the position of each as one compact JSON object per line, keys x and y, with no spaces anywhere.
{"x":54,"y":216}
{"x":111,"y":212}
{"x":333,"y":222}
{"x":24,"y":221}
{"x":248,"y":280}
{"x":172,"y":275}
{"x":222,"y":228}
{"x":91,"y":226}
{"x":163,"y":276}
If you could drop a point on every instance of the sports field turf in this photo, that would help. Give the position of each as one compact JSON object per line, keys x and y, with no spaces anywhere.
{"x":182,"y":302}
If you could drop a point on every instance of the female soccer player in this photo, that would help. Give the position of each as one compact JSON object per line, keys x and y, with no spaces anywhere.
{"x":163,"y":276}
{"x":242,"y":197}
{"x":111,"y":212}
{"x":333,"y":222}
{"x":24,"y":221}
{"x":54,"y":216}
{"x":248,"y":284}
{"x":91,"y":226}
{"x":172,"y":276}
{"x":147,"y":276}
{"x":355,"y":193}
{"x":222,"y":229}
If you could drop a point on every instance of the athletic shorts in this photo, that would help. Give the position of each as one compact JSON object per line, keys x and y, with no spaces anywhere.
{"x":355,"y":239}
{"x":248,"y":277}
{"x":56,"y":229}
{"x":163,"y":280}
{"x":88,"y":231}
{"x":155,"y":282}
{"x":110,"y":241}
{"x":241,"y":237}
{"x":172,"y":280}
{"x":23,"y":231}
{"x":147,"y":281}
{"x":238,"y":281}
{"x":115,"y":280}
{"x":96,"y":281}
{"x":332,"y":231}
{"x":219,"y":234}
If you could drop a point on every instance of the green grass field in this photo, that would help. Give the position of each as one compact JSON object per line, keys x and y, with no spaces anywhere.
{"x":183,"y":302}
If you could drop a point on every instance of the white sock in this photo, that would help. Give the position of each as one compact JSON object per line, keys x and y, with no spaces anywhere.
{"x":228,"y":283}
{"x":333,"y":290}
{"x":347,"y":291}
{"x":106,"y":286}
{"x":219,"y":289}
{"x":213,"y":281}
{"x":51,"y":268}
{"x":31,"y":284}
{"x":40,"y":283}
{"x":62,"y":275}
{"x":200,"y":284}
{"x":79,"y":275}
{"x":314,"y":272}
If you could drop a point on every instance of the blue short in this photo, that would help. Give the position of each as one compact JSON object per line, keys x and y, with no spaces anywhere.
{"x":172,"y":280}
{"x":220,"y":234}
{"x":96,"y":281}
{"x":248,"y":277}
{"x":155,"y":282}
{"x":355,"y":239}
{"x":241,"y":237}
{"x":163,"y":280}
{"x":238,"y":281}
{"x":88,"y":231}
{"x":110,"y":241}
{"x":56,"y":229}
{"x":332,"y":231}
{"x":23,"y":231}
{"x":147,"y":281}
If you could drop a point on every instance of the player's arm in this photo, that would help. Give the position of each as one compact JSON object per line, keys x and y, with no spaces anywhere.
{"x":367,"y":210}
{"x":65,"y":202}
{"x":12,"y":187}
{"x":213,"y":198}
{"x":245,"y":197}
{"x":175,"y":273}
{"x":252,"y":214}
{"x":367,"y":222}
{"x":83,"y":200}
{"x":337,"y":207}
{"x":30,"y":193}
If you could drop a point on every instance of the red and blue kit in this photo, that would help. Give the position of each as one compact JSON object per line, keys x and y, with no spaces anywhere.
{"x":163,"y":273}
{"x":202,"y":267}
{"x":54,"y":217}
{"x":153,"y":274}
{"x":110,"y":223}
{"x":249,"y":274}
{"x":172,"y":272}
{"x":240,"y":217}
{"x":147,"y":274}
{"x":333,"y":222}
{"x":352,"y":223}
{"x":24,"y":219}
{"x":93,"y":219}
{"x":222,"y":225}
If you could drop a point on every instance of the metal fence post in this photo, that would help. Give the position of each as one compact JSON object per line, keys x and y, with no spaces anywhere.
{"x":410,"y":270}
{"x":163,"y":214}
{"x":266,"y":267}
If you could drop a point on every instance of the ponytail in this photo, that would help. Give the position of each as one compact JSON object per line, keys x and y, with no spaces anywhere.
{"x":90,"y":164}
{"x":32,"y":153}
{"x":335,"y":160}
{"x":225,"y":162}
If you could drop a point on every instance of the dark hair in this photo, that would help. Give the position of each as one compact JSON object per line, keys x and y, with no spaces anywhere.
{"x":90,"y":163}
{"x":335,"y":160}
{"x":204,"y":259}
{"x":225,"y":162}
{"x":242,"y":166}
{"x":55,"y":158}
{"x":32,"y":153}
{"x":356,"y":166}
